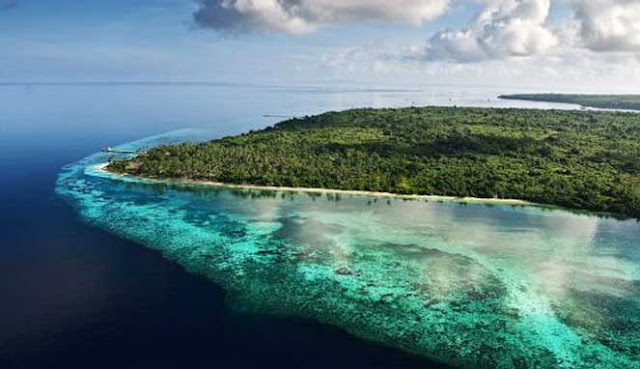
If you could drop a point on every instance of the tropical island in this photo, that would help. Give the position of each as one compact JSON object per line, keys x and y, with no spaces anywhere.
{"x":625,"y":102}
{"x":577,"y":159}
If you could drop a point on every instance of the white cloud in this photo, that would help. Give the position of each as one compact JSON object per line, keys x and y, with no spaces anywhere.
{"x":609,"y":25}
{"x":575,"y":70}
{"x":303,"y":16}
{"x":593,"y":45}
{"x":504,"y":28}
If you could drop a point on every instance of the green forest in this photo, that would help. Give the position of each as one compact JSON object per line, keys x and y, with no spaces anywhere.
{"x":577,"y":159}
{"x":626,"y":102}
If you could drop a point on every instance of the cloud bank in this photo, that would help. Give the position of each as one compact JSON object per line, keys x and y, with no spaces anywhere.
{"x":609,"y":25}
{"x":303,"y":16}
{"x":504,"y":28}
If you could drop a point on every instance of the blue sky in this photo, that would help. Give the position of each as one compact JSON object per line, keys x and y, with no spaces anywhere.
{"x":558,"y":44}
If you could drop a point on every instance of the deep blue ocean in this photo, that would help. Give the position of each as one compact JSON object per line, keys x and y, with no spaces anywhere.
{"x":73,"y":296}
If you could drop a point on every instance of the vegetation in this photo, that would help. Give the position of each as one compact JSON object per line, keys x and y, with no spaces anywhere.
{"x":579,"y":159}
{"x":628,"y":102}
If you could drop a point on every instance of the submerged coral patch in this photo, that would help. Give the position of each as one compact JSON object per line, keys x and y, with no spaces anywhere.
{"x":476,"y":286}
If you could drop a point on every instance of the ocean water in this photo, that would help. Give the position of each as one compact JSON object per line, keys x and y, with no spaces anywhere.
{"x":100,"y":271}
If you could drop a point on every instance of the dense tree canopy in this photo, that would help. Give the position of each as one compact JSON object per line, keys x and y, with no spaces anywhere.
{"x":579,"y":159}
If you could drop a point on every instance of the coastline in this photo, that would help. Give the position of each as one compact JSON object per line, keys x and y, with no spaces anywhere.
{"x":580,"y":105}
{"x":478,"y":200}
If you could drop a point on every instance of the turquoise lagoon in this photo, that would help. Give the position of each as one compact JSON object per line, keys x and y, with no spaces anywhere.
{"x":472,"y":285}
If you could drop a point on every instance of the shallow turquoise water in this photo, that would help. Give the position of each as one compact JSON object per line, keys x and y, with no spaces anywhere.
{"x":470,"y":284}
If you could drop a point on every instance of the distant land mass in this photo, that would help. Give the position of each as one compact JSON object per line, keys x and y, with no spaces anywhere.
{"x":627,"y":102}
{"x":577,"y":159}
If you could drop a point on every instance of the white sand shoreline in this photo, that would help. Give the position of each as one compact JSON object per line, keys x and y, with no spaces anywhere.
{"x":102,"y":168}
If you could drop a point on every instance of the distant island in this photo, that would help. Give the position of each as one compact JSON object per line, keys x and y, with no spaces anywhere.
{"x":577,"y":159}
{"x":626,"y":102}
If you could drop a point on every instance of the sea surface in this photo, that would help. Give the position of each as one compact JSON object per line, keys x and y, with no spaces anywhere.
{"x":99,"y":271}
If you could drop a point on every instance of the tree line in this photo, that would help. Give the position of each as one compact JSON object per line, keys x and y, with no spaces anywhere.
{"x":577,"y":159}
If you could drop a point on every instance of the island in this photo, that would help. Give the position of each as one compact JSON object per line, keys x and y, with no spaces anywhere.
{"x":576,"y":159}
{"x":625,"y":102}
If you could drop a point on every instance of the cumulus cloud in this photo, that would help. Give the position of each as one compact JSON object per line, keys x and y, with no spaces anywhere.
{"x":609,"y":25}
{"x":504,"y":28}
{"x":303,"y":16}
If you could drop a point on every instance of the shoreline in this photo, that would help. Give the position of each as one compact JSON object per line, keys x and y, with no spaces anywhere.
{"x":581,"y":106}
{"x":477,"y":200}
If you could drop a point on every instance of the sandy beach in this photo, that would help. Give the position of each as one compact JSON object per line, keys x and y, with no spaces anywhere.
{"x":103,"y":168}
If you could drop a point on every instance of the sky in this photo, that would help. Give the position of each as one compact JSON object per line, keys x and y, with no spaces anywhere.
{"x":550,"y":45}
